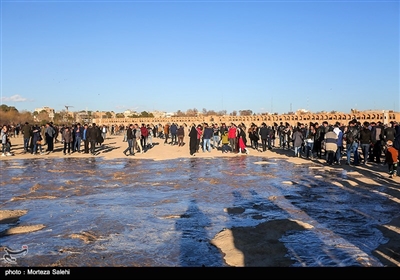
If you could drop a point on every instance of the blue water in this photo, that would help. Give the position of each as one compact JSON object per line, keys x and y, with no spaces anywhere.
{"x":165,"y":213}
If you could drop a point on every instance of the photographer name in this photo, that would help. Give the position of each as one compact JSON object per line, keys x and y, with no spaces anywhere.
{"x":49,"y":272}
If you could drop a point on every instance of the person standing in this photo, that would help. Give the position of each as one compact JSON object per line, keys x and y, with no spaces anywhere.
{"x":391,"y":158}
{"x":166,"y":133}
{"x":254,"y":136}
{"x":50,"y":133}
{"x":93,"y":135}
{"x":199,"y":129}
{"x":129,"y":138}
{"x":174,"y":133}
{"x":352,"y":137}
{"x":181,"y":134}
{"x":389,"y":132}
{"x":37,"y":140}
{"x":138,"y":136}
{"x":149,"y":137}
{"x":298,"y":140}
{"x":365,"y":141}
{"x":233,"y":137}
{"x":78,"y":131}
{"x":208,"y":133}
{"x":85,"y":138}
{"x":320,"y":131}
{"x":5,"y":142}
{"x":67,"y":139}
{"x":216,"y":136}
{"x":309,"y":142}
{"x":330,"y":139}
{"x":264,"y":134}
{"x":396,"y":142}
{"x":241,"y":141}
{"x":43,"y":133}
{"x":222,"y":129}
{"x":26,"y":133}
{"x":377,"y":132}
{"x":338,"y":153}
{"x":104,"y":130}
{"x":193,"y":140}
{"x":281,"y":135}
{"x":144,"y":133}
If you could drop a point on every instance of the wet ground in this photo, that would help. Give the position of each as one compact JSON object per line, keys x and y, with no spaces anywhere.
{"x":145,"y":213}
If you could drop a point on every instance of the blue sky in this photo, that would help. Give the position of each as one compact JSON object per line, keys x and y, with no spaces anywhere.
{"x":264,"y":56}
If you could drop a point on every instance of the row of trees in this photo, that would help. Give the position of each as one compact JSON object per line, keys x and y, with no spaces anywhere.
{"x":10,"y":115}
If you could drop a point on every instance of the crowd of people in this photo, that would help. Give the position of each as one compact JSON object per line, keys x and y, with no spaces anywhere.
{"x":75,"y":138}
{"x":356,"y":142}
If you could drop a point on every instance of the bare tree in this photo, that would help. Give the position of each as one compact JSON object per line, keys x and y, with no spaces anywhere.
{"x":192,"y":112}
{"x":179,"y":113}
{"x":245,"y":112}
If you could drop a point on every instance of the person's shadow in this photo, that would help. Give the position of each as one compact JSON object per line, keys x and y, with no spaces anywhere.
{"x":195,"y":247}
{"x":259,"y":245}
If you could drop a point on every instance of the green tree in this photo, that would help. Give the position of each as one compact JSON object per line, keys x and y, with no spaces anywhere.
{"x":5,"y":108}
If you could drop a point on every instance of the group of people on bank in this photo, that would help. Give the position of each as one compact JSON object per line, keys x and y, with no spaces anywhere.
{"x":360,"y":143}
{"x":75,"y":138}
{"x":364,"y":143}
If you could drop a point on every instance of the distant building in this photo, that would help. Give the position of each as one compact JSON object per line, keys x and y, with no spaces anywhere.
{"x":47,"y":109}
{"x":128,"y":113}
{"x":50,"y":113}
{"x":158,"y":114}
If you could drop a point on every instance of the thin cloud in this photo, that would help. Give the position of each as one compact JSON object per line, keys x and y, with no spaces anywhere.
{"x":14,"y":98}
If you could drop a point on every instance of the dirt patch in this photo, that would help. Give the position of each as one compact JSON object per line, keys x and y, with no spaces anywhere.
{"x":11,"y":216}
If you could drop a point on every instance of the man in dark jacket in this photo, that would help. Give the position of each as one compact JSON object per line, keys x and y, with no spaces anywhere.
{"x":85,"y":138}
{"x":319,"y":137}
{"x":129,"y":137}
{"x":26,"y":133}
{"x":389,"y":132}
{"x":93,"y":134}
{"x":264,"y":136}
{"x":377,"y":132}
{"x":50,"y":133}
{"x":352,"y":137}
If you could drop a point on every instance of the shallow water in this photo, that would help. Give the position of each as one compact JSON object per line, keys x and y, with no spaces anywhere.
{"x":165,"y":213}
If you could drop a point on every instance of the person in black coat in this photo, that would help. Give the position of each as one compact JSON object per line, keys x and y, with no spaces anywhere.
{"x":93,"y":136}
{"x":193,"y":140}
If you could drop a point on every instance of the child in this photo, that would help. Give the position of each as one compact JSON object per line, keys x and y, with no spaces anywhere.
{"x":391,"y":158}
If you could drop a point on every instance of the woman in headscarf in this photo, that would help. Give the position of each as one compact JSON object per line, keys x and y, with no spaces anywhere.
{"x":193,"y":140}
